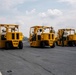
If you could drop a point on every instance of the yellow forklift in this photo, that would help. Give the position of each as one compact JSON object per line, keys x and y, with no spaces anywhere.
{"x":66,"y":37}
{"x":10,"y":36}
{"x":41,"y":36}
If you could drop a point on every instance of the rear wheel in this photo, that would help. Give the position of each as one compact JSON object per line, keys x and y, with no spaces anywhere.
{"x":57,"y":43}
{"x":7,"y":45}
{"x":75,"y":43}
{"x":70,"y":43}
{"x":20,"y":45}
{"x":42,"y":44}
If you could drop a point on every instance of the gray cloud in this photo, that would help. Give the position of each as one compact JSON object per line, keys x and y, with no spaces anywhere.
{"x":52,"y":13}
{"x":72,"y":2}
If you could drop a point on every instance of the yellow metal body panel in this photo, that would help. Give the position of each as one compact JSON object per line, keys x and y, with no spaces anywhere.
{"x":35,"y":43}
{"x":9,"y":36}
{"x":72,"y":37}
{"x":48,"y":36}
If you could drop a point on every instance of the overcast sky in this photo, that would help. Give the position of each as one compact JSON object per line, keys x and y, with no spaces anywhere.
{"x":27,"y":13}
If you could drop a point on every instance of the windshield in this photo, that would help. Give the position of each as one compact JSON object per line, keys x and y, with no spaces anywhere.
{"x":70,"y":32}
{"x":46,"y":30}
{"x":9,"y":28}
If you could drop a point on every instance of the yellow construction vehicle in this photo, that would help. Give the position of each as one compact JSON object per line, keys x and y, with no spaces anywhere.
{"x":66,"y":37}
{"x":41,"y":36}
{"x":10,"y":36}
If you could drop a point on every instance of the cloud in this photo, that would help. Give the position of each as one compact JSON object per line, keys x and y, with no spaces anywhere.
{"x":30,"y":12}
{"x":66,"y":20}
{"x":7,"y":4}
{"x":72,"y":2}
{"x":10,"y":7}
{"x":43,"y":14}
{"x":52,"y":13}
{"x":52,"y":17}
{"x":20,"y":22}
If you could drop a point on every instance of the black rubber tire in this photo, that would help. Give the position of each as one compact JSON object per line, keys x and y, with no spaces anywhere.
{"x":20,"y":45}
{"x":70,"y":43}
{"x":74,"y":43}
{"x":42,"y":44}
{"x":7,"y":45}
{"x":57,"y":43}
{"x":53,"y":45}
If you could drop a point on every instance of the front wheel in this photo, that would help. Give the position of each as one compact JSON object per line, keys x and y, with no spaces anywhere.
{"x":70,"y":43}
{"x":75,"y":43}
{"x":56,"y":43}
{"x":42,"y":44}
{"x":21,"y":45}
{"x":7,"y":46}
